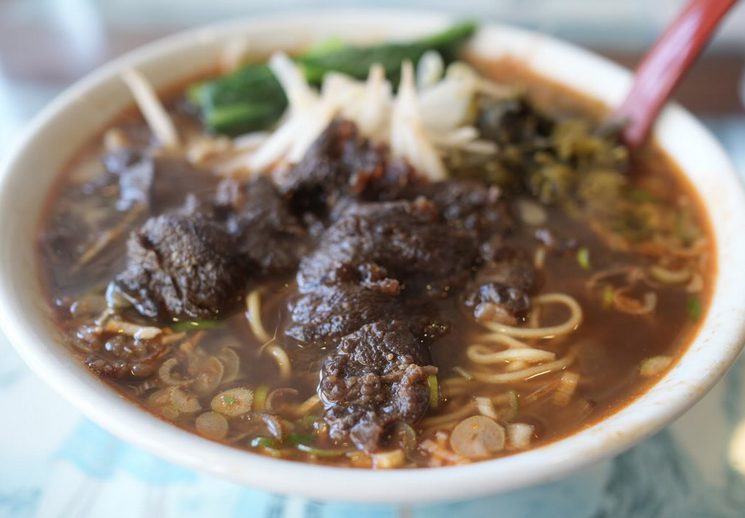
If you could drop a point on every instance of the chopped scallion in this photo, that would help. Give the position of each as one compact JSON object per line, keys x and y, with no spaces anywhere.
{"x":264,"y":442}
{"x":694,"y":307}
{"x":300,"y":438}
{"x":434,"y":391}
{"x":260,"y":397}
{"x":196,"y":325}
{"x":320,"y":452}
{"x":304,"y":443}
{"x":608,"y":296}
{"x":640,"y":196}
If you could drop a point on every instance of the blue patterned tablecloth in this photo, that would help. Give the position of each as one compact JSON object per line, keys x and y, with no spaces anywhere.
{"x":55,"y":463}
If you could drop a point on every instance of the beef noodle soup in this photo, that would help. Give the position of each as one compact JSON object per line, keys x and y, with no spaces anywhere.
{"x":374,"y":257}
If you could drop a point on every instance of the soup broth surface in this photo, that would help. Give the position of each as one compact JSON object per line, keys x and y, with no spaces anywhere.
{"x":576,"y":297}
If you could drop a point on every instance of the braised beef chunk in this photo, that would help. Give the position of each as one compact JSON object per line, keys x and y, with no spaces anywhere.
{"x":512,"y":268}
{"x":372,"y":262}
{"x":267,"y":233}
{"x":376,"y":377}
{"x":158,"y":183}
{"x":502,"y":288}
{"x":334,"y":311}
{"x":341,"y":163}
{"x":330,"y":312}
{"x":404,"y":241}
{"x":468,"y":205}
{"x":390,"y":181}
{"x":183,"y":267}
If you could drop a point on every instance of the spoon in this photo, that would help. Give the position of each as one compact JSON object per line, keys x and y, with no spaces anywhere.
{"x":664,"y":66}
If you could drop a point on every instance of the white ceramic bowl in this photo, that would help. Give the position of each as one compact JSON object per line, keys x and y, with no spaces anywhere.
{"x":55,"y":135}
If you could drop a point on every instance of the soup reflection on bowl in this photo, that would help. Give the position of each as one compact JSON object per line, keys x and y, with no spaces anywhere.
{"x":402,"y":252}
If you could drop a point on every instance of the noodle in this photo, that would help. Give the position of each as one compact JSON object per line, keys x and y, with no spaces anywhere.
{"x":624,"y":303}
{"x":549,"y":331}
{"x":629,"y":273}
{"x":283,"y":361}
{"x":503,"y":339}
{"x":484,"y":355}
{"x":694,"y":250}
{"x":519,"y":355}
{"x":450,"y":418}
{"x":308,"y":405}
{"x":460,"y":412}
{"x":667,"y":276}
{"x":515,"y":366}
{"x":696,"y":283}
{"x":253,"y":314}
{"x":537,"y":370}
{"x":541,"y":392}
{"x":534,"y":319}
{"x":455,"y":387}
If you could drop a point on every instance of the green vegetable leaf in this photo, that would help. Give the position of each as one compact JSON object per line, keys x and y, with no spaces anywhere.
{"x":583,"y":258}
{"x":264,"y":442}
{"x":609,"y":294}
{"x":300,"y":438}
{"x":357,"y":60}
{"x":320,"y":452}
{"x":434,"y":391}
{"x":251,"y":98}
{"x":640,"y":196}
{"x":260,"y":395}
{"x":196,"y":325}
{"x":694,"y":307}
{"x":304,"y":443}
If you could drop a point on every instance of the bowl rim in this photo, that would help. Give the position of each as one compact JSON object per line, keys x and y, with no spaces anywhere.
{"x":666,"y":400}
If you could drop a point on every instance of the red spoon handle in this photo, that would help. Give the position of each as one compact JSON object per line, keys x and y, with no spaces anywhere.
{"x":665,"y":64}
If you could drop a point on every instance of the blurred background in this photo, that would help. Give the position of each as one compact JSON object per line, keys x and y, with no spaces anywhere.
{"x":69,"y":467}
{"x":47,"y":44}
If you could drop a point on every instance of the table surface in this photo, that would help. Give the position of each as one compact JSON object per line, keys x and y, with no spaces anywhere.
{"x":54,"y":462}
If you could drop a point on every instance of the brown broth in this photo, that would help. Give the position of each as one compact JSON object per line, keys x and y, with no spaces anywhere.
{"x":612,"y":345}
